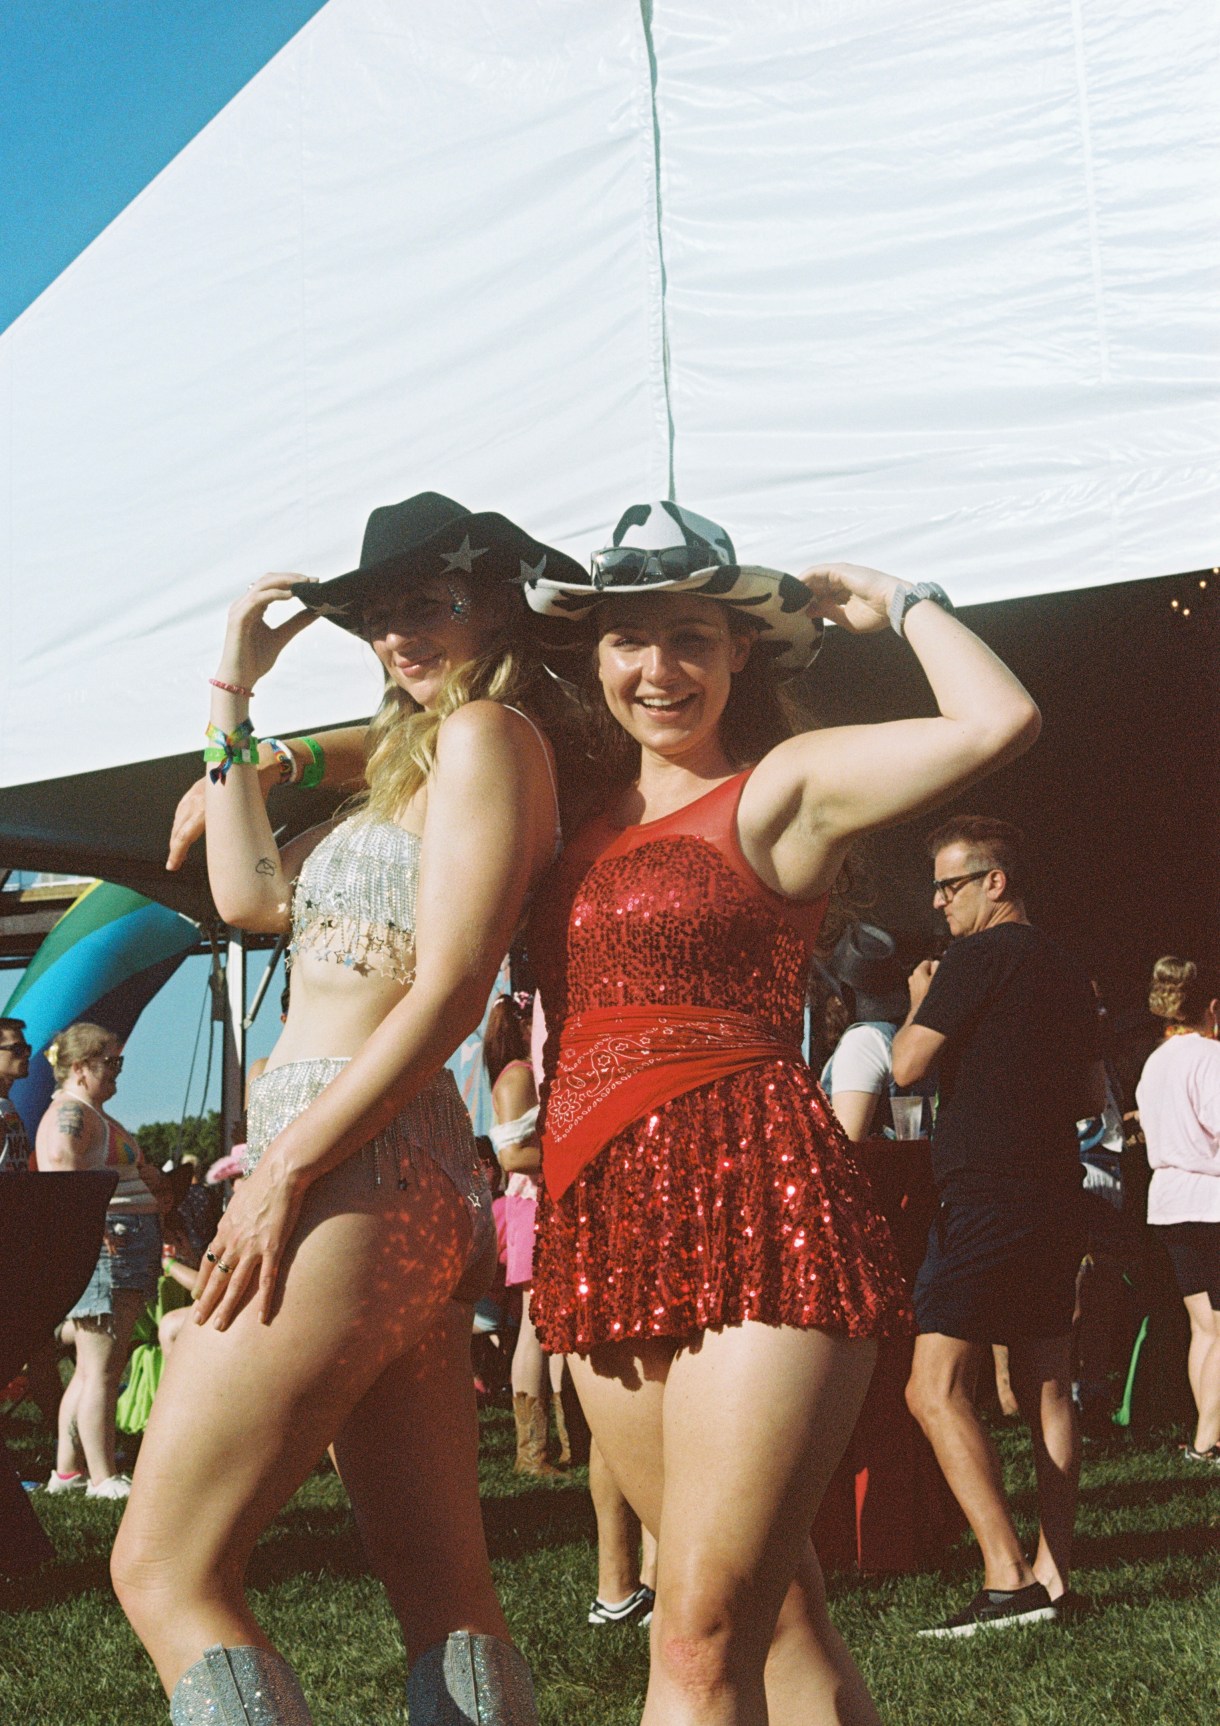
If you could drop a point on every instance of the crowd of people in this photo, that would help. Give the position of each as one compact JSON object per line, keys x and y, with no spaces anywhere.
{"x":599,"y":771}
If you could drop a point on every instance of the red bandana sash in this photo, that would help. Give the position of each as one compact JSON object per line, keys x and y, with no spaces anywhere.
{"x":617,"y":1064}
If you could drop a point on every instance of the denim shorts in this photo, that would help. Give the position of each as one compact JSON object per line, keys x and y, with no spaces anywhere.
{"x":130,"y":1259}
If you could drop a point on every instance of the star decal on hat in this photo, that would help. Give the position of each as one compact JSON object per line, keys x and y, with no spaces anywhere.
{"x":326,"y":609}
{"x":531,"y":572}
{"x":463,"y":558}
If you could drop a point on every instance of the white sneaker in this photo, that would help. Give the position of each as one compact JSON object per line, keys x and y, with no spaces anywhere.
{"x":117,"y":1486}
{"x":66,"y":1482}
{"x":636,"y":1609}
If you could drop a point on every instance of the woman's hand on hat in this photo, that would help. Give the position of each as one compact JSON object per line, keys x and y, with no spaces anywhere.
{"x":252,"y":645}
{"x":849,"y":594}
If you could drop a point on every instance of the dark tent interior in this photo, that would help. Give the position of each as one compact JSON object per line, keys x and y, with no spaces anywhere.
{"x":1118,"y":798}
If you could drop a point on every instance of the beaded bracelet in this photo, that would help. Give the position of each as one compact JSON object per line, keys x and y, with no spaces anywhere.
{"x":230,"y":748}
{"x":231,"y":688}
{"x":316,"y":771}
{"x":290,"y":767}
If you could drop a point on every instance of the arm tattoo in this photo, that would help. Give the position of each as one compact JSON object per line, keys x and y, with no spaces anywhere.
{"x":264,"y":866}
{"x":71,"y":1120}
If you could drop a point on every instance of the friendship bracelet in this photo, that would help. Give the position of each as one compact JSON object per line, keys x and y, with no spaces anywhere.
{"x":231,"y":688}
{"x":230,"y":748}
{"x":290,"y":767}
{"x":316,"y":771}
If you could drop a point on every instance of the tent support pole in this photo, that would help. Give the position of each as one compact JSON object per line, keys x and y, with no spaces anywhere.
{"x":277,"y":953}
{"x":233,"y":1068}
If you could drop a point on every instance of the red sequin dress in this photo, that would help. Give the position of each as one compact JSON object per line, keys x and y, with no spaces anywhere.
{"x":734,"y":1199}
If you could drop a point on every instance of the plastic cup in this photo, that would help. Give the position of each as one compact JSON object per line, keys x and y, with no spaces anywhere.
{"x":908,"y":1116}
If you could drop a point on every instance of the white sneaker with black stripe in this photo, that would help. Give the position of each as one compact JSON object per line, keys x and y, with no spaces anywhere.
{"x":636,"y":1609}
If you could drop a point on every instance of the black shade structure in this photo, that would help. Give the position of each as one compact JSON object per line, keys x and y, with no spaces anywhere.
{"x":1118,"y":798}
{"x":115,"y":824}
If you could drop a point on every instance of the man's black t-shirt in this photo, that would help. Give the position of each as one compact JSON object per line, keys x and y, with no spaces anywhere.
{"x":1021,"y":1031}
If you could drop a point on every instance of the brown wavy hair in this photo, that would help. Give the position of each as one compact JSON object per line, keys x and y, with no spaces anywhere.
{"x":758,"y":714}
{"x":505,"y":1038}
{"x":1178,"y":992}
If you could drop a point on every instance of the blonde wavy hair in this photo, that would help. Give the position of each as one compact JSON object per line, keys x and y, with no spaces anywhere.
{"x":1178,"y":993}
{"x":400,"y":748}
{"x":82,"y":1041}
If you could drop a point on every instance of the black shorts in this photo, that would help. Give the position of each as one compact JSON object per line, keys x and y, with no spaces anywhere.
{"x":1001,"y":1268}
{"x":1194,"y":1251}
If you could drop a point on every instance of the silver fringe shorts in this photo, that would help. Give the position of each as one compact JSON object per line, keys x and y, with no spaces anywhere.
{"x":433,"y":1128}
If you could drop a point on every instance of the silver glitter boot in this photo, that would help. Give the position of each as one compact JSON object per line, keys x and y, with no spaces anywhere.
{"x":238,"y":1687}
{"x":471,"y":1680}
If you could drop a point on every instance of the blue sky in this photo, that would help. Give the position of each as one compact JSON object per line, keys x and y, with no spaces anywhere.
{"x":153,"y":1086}
{"x":165,"y":1073}
{"x":98,"y":96}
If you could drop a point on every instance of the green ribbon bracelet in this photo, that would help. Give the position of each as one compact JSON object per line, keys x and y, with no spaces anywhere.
{"x":316,"y":770}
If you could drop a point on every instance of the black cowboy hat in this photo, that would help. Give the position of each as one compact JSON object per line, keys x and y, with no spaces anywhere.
{"x":865,"y":961}
{"x":430,"y":535}
{"x":665,"y":548}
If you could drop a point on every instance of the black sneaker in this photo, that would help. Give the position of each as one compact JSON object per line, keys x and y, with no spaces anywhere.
{"x":1072,"y":1606}
{"x":996,"y":1609}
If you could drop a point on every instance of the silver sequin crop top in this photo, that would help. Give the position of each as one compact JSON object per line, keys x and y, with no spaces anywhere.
{"x":354,"y":902}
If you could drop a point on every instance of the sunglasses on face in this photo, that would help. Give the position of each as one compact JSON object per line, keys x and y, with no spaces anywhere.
{"x":15,"y":1049}
{"x":112,"y":1063}
{"x":627,"y":565}
{"x":947,"y":889}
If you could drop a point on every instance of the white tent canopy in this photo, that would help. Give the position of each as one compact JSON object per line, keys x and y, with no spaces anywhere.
{"x":930,"y":287}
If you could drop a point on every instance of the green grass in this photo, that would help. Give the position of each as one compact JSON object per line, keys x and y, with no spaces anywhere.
{"x":1148,"y":1653}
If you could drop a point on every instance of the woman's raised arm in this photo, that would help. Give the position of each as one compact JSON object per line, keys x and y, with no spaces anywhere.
{"x":342,"y":766}
{"x":245,"y":870}
{"x":814,"y":793}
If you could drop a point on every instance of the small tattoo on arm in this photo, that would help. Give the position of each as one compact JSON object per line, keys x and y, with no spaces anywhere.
{"x":264,"y":866}
{"x":71,"y":1120}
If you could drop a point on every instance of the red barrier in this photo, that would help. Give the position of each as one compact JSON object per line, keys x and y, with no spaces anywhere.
{"x":888,"y":1506}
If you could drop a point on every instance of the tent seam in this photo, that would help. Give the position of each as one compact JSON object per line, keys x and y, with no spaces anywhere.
{"x":302,"y":242}
{"x":1090,"y":186}
{"x":646,"y":15}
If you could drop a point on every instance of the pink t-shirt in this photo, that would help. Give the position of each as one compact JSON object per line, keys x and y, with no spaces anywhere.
{"x":1178,"y":1097}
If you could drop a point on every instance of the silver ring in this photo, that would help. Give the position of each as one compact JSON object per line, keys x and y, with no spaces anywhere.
{"x":224,"y":1269}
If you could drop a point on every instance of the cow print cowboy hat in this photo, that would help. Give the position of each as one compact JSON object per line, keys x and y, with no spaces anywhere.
{"x":430,"y":535}
{"x":663,"y":548}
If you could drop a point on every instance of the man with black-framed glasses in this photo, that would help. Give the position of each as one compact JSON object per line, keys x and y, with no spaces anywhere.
{"x":14,"y":1064}
{"x":1009,"y":1021}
